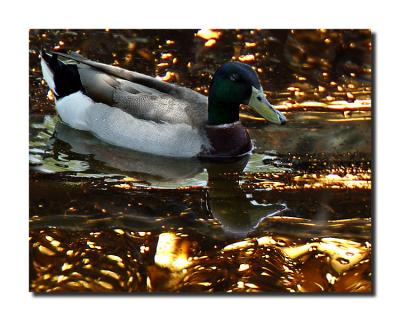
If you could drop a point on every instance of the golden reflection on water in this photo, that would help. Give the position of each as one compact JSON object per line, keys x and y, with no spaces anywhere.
{"x":108,"y":261}
{"x":338,"y":178}
{"x":171,"y":252}
{"x":208,"y":34}
{"x":347,"y":181}
{"x":246,"y":58}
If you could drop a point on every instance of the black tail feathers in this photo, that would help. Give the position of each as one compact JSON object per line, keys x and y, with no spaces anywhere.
{"x":52,"y":61}
{"x":66,"y":76}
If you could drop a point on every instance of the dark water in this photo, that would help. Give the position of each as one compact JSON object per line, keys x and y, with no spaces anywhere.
{"x":295,"y":216}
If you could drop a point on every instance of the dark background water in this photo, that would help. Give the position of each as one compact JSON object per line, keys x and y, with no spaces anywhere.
{"x":319,"y":63}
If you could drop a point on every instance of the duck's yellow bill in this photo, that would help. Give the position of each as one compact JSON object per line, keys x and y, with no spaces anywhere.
{"x":259,"y":103}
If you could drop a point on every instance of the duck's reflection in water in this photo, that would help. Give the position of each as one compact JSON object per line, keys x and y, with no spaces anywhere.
{"x":237,"y":211}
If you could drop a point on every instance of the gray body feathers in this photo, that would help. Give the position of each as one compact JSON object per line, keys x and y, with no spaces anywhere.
{"x":139,"y":95}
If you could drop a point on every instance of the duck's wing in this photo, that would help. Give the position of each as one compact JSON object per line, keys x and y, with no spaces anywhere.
{"x":140,"y":95}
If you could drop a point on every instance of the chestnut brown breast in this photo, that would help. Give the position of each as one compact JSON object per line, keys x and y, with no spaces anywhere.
{"x":230,"y":140}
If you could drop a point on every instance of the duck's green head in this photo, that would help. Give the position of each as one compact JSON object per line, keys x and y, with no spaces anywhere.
{"x":234,"y":84}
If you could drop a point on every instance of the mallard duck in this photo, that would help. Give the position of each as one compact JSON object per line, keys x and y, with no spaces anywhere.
{"x":139,"y":112}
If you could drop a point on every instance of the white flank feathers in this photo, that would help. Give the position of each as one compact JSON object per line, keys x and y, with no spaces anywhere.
{"x":73,"y":109}
{"x":116,"y":127}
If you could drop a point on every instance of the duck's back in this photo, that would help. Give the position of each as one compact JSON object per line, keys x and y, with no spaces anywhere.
{"x":140,"y":95}
{"x":132,"y":110}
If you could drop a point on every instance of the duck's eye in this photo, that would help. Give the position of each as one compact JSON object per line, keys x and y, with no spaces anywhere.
{"x":234,"y":77}
{"x":259,"y":98}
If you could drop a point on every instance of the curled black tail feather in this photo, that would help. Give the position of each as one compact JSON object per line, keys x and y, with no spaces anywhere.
{"x":66,"y":76}
{"x":45,"y":55}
